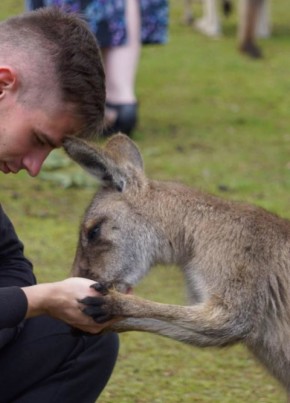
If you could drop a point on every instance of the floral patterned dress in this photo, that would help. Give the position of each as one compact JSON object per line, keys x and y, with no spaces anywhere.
{"x":106,"y":18}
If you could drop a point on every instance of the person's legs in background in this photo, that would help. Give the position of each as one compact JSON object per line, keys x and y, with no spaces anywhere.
{"x":121,"y":64}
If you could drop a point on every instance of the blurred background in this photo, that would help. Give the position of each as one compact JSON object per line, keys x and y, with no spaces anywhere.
{"x":212,"y":118}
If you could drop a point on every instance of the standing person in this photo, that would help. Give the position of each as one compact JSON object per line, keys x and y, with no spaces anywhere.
{"x":121,"y":26}
{"x":51,"y":86}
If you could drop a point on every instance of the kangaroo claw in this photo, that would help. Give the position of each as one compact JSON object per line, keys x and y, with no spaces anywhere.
{"x":102,"y":288}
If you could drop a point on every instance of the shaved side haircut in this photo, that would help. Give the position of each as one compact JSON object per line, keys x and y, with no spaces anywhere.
{"x":55,"y":53}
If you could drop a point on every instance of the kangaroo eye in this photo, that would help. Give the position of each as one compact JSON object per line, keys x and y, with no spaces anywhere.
{"x":94,"y":232}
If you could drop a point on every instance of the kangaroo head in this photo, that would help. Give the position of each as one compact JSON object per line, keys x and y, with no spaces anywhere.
{"x":117,"y":242}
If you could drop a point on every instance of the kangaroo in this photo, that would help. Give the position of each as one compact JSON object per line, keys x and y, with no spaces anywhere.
{"x":235,"y":258}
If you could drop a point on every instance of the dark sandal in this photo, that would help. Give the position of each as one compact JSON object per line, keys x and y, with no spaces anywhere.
{"x":126,"y":119}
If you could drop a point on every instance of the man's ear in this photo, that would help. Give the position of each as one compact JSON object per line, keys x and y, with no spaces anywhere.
{"x":8,"y":80}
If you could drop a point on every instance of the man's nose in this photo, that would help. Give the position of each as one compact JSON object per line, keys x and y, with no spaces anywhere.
{"x":33,"y":162}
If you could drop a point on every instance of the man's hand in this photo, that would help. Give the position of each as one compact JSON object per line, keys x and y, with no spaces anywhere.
{"x":61,"y":300}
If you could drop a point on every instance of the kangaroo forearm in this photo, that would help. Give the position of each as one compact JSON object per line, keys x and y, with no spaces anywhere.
{"x":169,"y":330}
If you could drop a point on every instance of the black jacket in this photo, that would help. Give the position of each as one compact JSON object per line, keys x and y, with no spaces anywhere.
{"x":15,"y":272}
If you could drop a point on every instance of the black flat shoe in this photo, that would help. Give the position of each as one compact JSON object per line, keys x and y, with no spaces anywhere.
{"x":126,"y":118}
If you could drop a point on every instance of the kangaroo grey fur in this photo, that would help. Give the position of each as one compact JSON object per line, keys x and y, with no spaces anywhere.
{"x":235,"y":258}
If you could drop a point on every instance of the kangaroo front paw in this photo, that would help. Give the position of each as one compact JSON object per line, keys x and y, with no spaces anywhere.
{"x":102,"y":288}
{"x":108,"y":304}
{"x":97,"y":308}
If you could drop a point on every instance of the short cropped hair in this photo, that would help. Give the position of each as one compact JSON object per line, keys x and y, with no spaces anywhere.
{"x":61,"y":42}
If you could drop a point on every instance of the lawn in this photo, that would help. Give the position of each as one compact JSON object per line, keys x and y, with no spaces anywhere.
{"x":213,"y":119}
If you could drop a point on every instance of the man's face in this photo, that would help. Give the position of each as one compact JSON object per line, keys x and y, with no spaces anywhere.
{"x":28,"y":135}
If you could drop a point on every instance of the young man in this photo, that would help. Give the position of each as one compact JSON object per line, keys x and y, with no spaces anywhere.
{"x":51,"y":86}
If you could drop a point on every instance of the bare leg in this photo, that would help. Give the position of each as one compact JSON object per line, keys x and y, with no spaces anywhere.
{"x":121,"y":62}
{"x":209,"y":24}
{"x":250,"y":11}
{"x":263,"y":29}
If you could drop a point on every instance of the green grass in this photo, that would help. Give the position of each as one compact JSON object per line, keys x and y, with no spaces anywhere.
{"x":212,"y":119}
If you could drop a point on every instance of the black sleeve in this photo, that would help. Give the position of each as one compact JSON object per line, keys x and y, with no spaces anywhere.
{"x":15,"y":272}
{"x":13,"y":306}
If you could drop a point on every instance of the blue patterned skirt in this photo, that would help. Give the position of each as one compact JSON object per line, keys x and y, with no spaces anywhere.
{"x":106,"y":18}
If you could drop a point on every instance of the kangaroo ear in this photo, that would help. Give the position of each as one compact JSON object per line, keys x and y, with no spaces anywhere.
{"x":95,"y":162}
{"x":122,"y":150}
